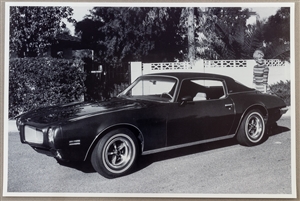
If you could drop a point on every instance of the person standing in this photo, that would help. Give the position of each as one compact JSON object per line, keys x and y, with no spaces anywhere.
{"x":260,"y":72}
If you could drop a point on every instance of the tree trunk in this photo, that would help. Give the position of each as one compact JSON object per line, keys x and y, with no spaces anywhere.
{"x":191,"y":36}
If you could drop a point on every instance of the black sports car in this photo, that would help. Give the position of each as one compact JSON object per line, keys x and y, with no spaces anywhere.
{"x":157,"y":112}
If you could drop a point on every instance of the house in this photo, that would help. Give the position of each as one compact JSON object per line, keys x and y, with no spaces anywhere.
{"x":63,"y":46}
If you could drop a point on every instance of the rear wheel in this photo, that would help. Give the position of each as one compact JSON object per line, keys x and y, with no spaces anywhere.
{"x":252,"y":129}
{"x":115,"y":153}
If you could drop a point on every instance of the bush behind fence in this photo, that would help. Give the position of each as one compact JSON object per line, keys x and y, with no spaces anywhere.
{"x":38,"y":82}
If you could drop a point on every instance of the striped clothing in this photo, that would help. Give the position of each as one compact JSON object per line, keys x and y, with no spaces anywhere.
{"x":260,"y":77}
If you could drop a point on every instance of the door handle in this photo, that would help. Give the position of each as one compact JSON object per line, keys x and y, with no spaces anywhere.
{"x":229,"y":106}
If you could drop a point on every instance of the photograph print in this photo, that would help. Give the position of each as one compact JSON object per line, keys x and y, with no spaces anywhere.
{"x":149,"y":100}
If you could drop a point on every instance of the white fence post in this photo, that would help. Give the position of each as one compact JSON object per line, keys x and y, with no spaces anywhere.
{"x":146,"y":69}
{"x":199,"y":66}
{"x":136,"y":70}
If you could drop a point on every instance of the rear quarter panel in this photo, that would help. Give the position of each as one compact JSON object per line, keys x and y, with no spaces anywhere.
{"x":268,"y":104}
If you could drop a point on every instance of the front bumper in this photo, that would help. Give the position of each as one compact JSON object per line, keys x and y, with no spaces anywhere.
{"x":283,"y":110}
{"x":275,"y":114}
{"x":37,"y":138}
{"x":50,"y":152}
{"x":60,"y":148}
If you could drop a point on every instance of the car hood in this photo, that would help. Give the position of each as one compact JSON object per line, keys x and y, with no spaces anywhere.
{"x":75,"y":111}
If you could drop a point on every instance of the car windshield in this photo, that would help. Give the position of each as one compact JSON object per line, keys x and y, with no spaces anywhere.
{"x":151,"y":88}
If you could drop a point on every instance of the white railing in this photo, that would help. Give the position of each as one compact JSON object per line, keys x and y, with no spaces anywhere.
{"x":224,"y":63}
{"x":239,"y":63}
{"x":170,"y":66}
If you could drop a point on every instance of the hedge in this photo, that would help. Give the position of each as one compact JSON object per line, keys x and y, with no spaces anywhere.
{"x":283,"y":90}
{"x":39,"y":82}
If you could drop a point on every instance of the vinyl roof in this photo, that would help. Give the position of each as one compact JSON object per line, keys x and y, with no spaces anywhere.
{"x":232,"y":85}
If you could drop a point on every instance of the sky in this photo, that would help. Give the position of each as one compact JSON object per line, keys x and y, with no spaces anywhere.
{"x":264,"y":12}
{"x":80,"y":12}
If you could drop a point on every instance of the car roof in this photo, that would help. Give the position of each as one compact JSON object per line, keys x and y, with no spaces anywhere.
{"x":232,"y":85}
{"x":184,"y":75}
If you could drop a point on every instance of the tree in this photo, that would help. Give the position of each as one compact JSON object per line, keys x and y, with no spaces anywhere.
{"x":160,"y":34}
{"x":271,"y":35}
{"x":230,"y":26}
{"x":115,"y":33}
{"x":169,"y":38}
{"x":276,"y":32}
{"x":191,"y":35}
{"x":254,"y":39}
{"x":208,"y":42}
{"x":32,"y":29}
{"x":277,"y":28}
{"x":219,"y":32}
{"x":133,"y":33}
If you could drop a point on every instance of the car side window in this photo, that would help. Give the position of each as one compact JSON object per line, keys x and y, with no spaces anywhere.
{"x":201,"y":89}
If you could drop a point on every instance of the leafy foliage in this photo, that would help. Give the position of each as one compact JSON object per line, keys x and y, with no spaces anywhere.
{"x":165,"y":26}
{"x":115,"y":32}
{"x":277,"y":28}
{"x":282,"y":90}
{"x":162,"y":33}
{"x":253,"y":40}
{"x":208,"y":42}
{"x":37,"y":82}
{"x":132,"y":33}
{"x":230,"y":27}
{"x":156,"y":34}
{"x":277,"y":35}
{"x":271,"y":35}
{"x":32,"y":29}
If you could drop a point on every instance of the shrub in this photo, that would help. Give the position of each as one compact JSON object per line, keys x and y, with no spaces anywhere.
{"x":38,"y":82}
{"x":282,"y":90}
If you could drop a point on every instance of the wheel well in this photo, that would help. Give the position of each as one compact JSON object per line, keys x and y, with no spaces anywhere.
{"x":261,"y":108}
{"x":132,"y":128}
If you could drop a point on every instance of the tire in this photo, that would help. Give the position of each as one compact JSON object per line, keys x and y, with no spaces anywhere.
{"x":252,"y":129}
{"x":115,"y":153}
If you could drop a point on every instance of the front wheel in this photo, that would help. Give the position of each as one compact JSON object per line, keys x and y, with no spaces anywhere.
{"x":252,"y":129}
{"x":115,"y":153}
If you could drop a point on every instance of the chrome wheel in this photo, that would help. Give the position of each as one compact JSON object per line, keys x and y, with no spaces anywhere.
{"x":254,"y":127}
{"x":118,"y":153}
{"x":115,"y":153}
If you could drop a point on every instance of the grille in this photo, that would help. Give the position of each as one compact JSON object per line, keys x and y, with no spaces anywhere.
{"x":32,"y":135}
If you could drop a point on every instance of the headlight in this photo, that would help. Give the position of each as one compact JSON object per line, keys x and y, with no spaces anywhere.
{"x":33,"y":135}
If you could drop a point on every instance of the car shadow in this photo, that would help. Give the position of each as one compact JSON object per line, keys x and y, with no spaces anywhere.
{"x":146,"y":160}
{"x":276,"y":129}
{"x":84,"y":166}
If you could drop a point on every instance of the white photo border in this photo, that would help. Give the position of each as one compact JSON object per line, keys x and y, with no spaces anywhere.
{"x":138,"y":4}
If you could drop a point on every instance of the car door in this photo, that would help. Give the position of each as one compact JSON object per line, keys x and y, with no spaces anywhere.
{"x":203,"y":111}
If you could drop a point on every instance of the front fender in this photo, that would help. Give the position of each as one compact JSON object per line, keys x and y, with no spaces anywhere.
{"x":86,"y":131}
{"x":132,"y":127}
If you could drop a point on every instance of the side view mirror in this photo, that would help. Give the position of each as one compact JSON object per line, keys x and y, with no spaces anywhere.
{"x":185,"y":99}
